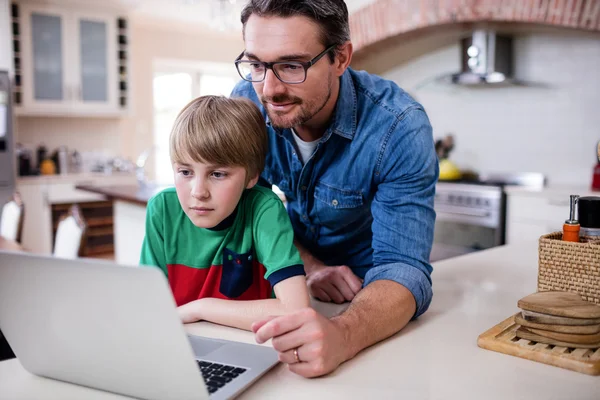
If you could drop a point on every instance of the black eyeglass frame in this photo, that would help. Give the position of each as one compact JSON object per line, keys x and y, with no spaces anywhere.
{"x":269,"y":65}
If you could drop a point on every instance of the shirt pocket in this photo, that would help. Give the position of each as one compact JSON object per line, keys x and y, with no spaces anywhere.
{"x":336,"y":207}
{"x":237,"y":275}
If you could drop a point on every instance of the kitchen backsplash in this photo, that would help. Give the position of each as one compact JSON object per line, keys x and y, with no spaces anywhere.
{"x":83,"y":134}
{"x":518,"y":129}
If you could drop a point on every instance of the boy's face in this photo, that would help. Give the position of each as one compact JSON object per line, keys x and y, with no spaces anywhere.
{"x":209,"y":193}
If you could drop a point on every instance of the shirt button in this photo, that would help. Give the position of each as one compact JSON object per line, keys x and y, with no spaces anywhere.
{"x":312,"y":229}
{"x":303,"y":187}
{"x":334,"y":202}
{"x":304,"y":216}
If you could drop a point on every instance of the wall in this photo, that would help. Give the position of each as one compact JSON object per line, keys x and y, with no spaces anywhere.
{"x":150,"y":40}
{"x":518,"y":129}
{"x":6,"y":62}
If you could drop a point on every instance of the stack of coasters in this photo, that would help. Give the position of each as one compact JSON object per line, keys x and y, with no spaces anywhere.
{"x":560,"y":319}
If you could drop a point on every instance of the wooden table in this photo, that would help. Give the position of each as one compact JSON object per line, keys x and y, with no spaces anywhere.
{"x":435,"y":357}
{"x":8,"y":244}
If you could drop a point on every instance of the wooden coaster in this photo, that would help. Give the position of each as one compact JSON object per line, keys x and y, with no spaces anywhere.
{"x":560,"y":304}
{"x":502,"y":338}
{"x":593,"y":339}
{"x":525,"y":333}
{"x":577,"y":329}
{"x":539,"y":318}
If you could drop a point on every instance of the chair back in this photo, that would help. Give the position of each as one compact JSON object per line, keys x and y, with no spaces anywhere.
{"x":70,"y":234}
{"x":11,"y":221}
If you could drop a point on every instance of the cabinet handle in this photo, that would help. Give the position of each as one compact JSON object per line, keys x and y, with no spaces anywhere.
{"x":79,"y":96}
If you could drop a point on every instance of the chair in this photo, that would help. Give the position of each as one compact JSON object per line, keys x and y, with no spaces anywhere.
{"x":70,"y":234}
{"x":13,"y":215}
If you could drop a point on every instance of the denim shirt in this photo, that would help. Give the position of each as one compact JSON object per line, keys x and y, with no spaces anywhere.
{"x":365,"y":197}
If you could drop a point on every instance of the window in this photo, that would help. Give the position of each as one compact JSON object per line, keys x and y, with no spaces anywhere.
{"x":176,"y":84}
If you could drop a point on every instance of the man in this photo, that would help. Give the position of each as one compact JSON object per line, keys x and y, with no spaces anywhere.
{"x":355,"y":157}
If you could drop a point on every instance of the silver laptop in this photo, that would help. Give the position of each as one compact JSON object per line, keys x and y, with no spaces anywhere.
{"x":115,"y":328}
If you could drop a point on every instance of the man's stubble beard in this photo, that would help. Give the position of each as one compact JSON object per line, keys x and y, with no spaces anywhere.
{"x":308,"y":109}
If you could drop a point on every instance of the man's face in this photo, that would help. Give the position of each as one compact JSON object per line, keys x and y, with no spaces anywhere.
{"x":209,"y":193}
{"x":271,"y":39}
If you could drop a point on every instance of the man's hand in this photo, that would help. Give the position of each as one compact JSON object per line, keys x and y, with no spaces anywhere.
{"x":321,"y":344}
{"x":337,"y":284}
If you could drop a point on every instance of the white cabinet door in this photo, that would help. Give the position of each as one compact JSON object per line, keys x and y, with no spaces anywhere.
{"x":94,"y":62}
{"x":518,"y":232}
{"x":43,"y":50}
{"x":69,"y":62}
{"x":37,"y":226}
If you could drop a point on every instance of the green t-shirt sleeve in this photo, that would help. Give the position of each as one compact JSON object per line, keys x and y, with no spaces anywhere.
{"x":274,"y":242}
{"x":153,"y":247}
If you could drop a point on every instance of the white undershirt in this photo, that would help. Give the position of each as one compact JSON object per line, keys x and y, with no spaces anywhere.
{"x":306,"y":148}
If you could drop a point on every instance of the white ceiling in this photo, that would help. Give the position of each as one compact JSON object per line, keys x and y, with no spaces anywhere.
{"x":186,"y":11}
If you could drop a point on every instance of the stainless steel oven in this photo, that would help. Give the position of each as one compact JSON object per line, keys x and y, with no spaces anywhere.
{"x":471,"y":216}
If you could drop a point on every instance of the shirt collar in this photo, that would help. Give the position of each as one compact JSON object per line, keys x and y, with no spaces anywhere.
{"x":226,"y":223}
{"x":345,"y":113}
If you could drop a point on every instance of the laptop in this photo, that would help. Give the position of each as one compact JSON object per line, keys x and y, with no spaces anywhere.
{"x":115,"y":328}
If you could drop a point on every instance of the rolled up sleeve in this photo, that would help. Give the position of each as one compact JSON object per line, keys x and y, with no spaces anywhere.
{"x":417,"y":282}
{"x":403,"y":215}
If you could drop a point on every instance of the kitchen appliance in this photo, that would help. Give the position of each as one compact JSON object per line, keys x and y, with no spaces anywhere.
{"x":7,"y":160}
{"x":471,"y":214}
{"x":487,"y":60}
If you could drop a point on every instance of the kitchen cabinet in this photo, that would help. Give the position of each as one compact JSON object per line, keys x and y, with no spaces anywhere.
{"x":40,"y":194}
{"x":70,"y":61}
{"x":531,"y":213}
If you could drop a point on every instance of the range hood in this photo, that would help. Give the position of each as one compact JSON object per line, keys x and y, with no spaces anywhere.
{"x":487,"y":60}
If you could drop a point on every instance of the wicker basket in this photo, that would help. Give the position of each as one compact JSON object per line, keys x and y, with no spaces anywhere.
{"x":569,"y":266}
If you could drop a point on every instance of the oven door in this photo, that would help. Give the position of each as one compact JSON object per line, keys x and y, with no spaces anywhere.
{"x":452,"y":239}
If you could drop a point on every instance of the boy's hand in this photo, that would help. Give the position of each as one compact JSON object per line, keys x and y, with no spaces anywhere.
{"x":189,"y":312}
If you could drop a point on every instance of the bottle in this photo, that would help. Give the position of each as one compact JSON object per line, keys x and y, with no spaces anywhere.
{"x":571,"y":226}
{"x":588,"y":211}
{"x":596,"y":173}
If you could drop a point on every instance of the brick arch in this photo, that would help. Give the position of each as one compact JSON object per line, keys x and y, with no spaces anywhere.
{"x":386,"y":19}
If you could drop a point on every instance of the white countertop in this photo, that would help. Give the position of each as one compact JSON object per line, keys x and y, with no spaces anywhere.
{"x":435,"y":357}
{"x":562,"y":191}
{"x":71,"y":177}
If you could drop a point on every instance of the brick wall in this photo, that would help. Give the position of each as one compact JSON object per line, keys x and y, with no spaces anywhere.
{"x":384,"y":19}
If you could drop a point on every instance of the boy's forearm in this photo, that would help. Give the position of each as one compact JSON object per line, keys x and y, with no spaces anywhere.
{"x":235,"y":313}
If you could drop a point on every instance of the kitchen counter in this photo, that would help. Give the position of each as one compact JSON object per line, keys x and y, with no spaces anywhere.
{"x":83,"y":178}
{"x":129,"y":215}
{"x":435,"y":357}
{"x":562,"y":191}
{"x":130,"y":193}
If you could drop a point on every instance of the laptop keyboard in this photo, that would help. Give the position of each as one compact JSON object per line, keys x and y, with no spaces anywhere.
{"x":218,"y":375}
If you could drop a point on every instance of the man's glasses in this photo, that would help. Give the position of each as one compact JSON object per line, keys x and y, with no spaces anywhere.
{"x":285,"y":71}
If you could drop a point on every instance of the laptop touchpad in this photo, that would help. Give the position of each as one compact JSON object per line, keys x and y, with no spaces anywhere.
{"x":203,"y":346}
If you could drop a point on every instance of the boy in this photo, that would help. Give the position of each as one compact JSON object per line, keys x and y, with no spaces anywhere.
{"x":224,"y":244}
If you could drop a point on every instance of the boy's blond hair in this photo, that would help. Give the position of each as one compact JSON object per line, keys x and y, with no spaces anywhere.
{"x":221,"y":131}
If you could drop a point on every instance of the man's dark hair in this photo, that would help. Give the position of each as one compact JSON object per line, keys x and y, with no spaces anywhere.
{"x":330,"y":15}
